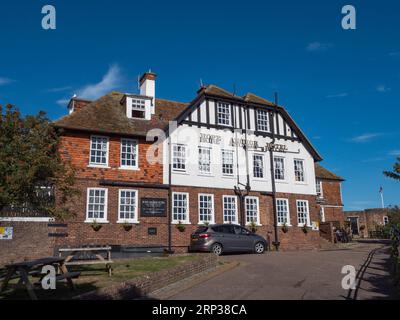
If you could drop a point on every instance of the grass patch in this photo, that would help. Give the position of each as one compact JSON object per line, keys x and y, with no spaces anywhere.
{"x":95,"y":276}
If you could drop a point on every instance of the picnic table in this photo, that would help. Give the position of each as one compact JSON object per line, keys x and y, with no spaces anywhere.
{"x":22,"y":271}
{"x":91,"y":256}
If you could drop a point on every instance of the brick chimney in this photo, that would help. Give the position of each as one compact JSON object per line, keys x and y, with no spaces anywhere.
{"x":148,"y":85}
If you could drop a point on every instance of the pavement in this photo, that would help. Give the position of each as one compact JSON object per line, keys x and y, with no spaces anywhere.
{"x":306,"y":275}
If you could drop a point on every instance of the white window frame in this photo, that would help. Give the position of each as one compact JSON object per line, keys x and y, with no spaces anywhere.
{"x":301,"y":224}
{"x":223,"y":151}
{"x":262,"y":167}
{"x":136,"y":148}
{"x":235,"y":216}
{"x":258,"y":210}
{"x":287,"y":212}
{"x":227,"y":111}
{"x":187,"y":218}
{"x":303,"y":172}
{"x":212,"y":220}
{"x":262,"y":122}
{"x":184,"y":158}
{"x":99,"y":220}
{"x":200,"y":164}
{"x":138,"y":104}
{"x":95,"y":164}
{"x":135,"y":218}
{"x":318,"y":182}
{"x":284,"y":168}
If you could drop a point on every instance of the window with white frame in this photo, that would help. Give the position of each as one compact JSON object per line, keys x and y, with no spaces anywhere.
{"x":227,"y":162}
{"x":279,"y":168}
{"x":206,"y":208}
{"x":252,"y":210}
{"x":229,"y":209}
{"x":96,"y":204}
{"x":303,"y":217}
{"x":318,"y":186}
{"x":129,"y":154}
{"x":299,"y":170}
{"x":179,"y":157}
{"x":128,"y":206}
{"x":180,"y":207}
{"x":98,"y":151}
{"x":204,"y":160}
{"x":138,"y":108}
{"x":282,"y":211}
{"x":224,"y":114}
{"x":262,"y":120}
{"x":258,"y":166}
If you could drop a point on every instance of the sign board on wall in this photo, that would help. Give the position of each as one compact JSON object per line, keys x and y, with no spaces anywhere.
{"x":153,"y":207}
{"x":6,"y":233}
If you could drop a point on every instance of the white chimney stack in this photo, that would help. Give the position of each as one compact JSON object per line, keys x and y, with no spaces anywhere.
{"x":148,"y":86}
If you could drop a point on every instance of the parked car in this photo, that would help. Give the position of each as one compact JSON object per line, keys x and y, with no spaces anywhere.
{"x":219,"y":238}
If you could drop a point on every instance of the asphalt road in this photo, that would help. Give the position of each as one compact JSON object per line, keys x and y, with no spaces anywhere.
{"x":300,"y":275}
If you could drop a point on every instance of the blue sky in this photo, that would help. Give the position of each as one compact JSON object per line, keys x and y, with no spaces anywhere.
{"x":341,"y":86}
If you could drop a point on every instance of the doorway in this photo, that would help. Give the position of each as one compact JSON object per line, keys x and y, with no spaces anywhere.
{"x":354,"y":225}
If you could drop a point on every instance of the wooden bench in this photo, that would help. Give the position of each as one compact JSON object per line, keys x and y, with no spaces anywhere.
{"x":72,"y":260}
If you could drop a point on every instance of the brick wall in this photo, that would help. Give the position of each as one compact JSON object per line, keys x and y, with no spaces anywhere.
{"x":370,"y":218}
{"x":30,"y":241}
{"x":331,"y":192}
{"x":112,"y":233}
{"x":75,"y":147}
{"x":146,"y":284}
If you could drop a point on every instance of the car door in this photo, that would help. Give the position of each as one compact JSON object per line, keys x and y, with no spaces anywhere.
{"x":228,"y":236}
{"x":244,"y":239}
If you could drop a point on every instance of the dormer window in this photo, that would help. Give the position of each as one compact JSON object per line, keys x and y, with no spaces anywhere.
{"x":138,"y":108}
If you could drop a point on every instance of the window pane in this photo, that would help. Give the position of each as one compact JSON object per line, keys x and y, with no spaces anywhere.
{"x":224,"y":114}
{"x":98,"y":150}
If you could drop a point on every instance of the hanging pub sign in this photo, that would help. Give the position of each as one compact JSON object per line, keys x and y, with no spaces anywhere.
{"x":153,"y":207}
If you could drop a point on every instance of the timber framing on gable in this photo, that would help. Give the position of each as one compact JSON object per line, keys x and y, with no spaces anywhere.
{"x":238,"y":123}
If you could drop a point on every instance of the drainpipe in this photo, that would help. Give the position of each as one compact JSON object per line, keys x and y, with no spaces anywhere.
{"x":169,"y":195}
{"x":276,"y":242}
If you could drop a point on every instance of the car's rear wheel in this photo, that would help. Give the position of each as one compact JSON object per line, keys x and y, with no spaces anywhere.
{"x":259,"y":248}
{"x":217,"y":249}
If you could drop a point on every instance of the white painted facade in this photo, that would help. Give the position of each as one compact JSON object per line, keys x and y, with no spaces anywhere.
{"x":189,"y":135}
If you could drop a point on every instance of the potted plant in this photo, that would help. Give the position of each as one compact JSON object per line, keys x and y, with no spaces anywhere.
{"x":180,"y":226}
{"x":253,"y":226}
{"x":127,"y":226}
{"x":285,"y":227}
{"x":96,"y":226}
{"x":305,"y":228}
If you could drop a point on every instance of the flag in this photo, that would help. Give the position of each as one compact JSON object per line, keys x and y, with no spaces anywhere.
{"x":381,"y":190}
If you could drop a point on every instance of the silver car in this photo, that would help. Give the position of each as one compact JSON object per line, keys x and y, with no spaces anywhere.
{"x":219,"y":238}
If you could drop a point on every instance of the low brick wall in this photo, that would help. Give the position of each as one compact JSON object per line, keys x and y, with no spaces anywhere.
{"x":30,"y":240}
{"x":140,"y":287}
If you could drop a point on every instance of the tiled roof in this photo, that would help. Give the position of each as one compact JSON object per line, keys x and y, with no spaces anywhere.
{"x":108,"y":115}
{"x":322,"y":173}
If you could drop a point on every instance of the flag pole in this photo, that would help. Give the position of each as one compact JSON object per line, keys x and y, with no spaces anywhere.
{"x":381,"y":192}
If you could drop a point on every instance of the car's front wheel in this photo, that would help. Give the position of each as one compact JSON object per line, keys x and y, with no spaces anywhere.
{"x":217,"y":249}
{"x":259,"y":248}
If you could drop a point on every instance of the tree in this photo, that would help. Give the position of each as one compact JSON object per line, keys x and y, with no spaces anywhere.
{"x":32,"y":173}
{"x":395,"y":174}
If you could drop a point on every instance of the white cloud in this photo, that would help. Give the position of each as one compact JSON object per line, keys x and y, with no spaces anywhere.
{"x":382,"y":88}
{"x":63,"y":102}
{"x":365,"y":137}
{"x":339,"y":95}
{"x":111,"y":80}
{"x":4,"y":81}
{"x":60,"y":89}
{"x":394,"y":54}
{"x":318,"y":46}
{"x":394,"y":153}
